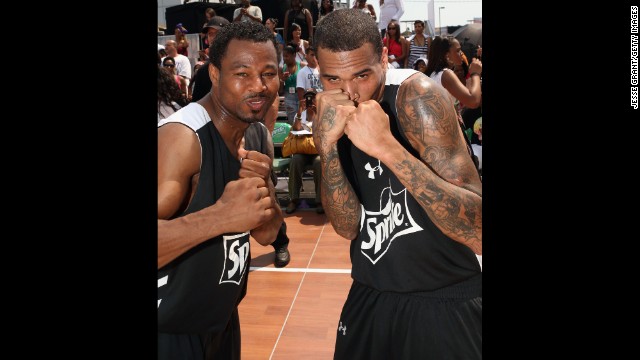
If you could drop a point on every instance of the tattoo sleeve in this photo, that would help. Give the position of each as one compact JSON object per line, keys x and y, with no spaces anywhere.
{"x":338,"y":198}
{"x":444,"y":180}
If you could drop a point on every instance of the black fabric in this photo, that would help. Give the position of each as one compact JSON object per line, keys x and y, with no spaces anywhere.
{"x":443,"y":324}
{"x":205,"y":284}
{"x":281,"y":239}
{"x":398,"y":247}
{"x":206,"y":346}
{"x":299,"y":17}
{"x":192,"y":16}
{"x":313,"y":7}
{"x":255,"y":138}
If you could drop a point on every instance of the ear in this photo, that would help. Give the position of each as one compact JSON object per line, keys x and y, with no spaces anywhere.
{"x":385,"y":59}
{"x":214,"y":73}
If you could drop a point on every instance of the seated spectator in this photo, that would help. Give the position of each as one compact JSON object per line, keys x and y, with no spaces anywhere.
{"x":418,"y":44}
{"x":170,"y":64}
{"x":298,"y":43}
{"x":247,"y":12}
{"x":420,"y":64}
{"x":297,"y":168}
{"x":398,"y":46}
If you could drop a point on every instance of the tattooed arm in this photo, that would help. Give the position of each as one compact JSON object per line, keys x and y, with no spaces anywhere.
{"x":338,"y":198}
{"x":444,"y":180}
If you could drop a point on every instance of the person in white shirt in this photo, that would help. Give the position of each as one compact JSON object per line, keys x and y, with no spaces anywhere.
{"x":389,"y":10}
{"x":308,"y":78}
{"x":183,"y":65}
{"x":247,"y":12}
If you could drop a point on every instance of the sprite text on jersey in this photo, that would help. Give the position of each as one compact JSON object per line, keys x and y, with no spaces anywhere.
{"x":387,"y":224}
{"x":236,"y":252}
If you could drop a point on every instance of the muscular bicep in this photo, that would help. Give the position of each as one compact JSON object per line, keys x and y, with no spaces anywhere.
{"x":429,"y":121}
{"x":178,"y":162}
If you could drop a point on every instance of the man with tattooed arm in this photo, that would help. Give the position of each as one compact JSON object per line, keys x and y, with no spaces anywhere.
{"x":398,"y":181}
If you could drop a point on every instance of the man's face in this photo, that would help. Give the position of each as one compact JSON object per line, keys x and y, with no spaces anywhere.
{"x":357,"y":72}
{"x":211,"y":34}
{"x":247,"y":81}
{"x":310,"y":56}
{"x":245,"y":3}
{"x":289,"y":58}
{"x":269,"y":24}
{"x":170,"y":48}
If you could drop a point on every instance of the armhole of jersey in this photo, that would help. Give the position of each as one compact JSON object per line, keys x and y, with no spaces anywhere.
{"x":196,"y":117}
{"x":398,"y":76}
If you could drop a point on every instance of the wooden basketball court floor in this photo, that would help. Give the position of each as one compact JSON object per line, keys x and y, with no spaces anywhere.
{"x":293,"y":312}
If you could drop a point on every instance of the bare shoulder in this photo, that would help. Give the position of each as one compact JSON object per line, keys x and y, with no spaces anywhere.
{"x":178,"y":152}
{"x":430,"y":123}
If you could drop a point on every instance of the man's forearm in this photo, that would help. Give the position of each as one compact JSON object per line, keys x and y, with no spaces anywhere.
{"x":456,"y":211}
{"x":338,"y":198}
{"x":178,"y":235}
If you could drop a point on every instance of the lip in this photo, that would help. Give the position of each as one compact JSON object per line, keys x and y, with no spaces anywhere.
{"x":256,"y":104}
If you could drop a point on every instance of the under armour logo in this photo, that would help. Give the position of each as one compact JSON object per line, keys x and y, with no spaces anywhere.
{"x":372,"y":170}
{"x":343,"y":328}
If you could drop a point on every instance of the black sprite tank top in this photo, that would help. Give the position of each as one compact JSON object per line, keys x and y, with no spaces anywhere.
{"x":398,"y":247}
{"x":198,"y":291}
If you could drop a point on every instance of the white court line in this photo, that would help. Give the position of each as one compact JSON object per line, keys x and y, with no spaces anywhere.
{"x":304,"y":270}
{"x":297,"y":291}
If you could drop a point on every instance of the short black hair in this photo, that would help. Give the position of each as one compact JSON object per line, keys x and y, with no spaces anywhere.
{"x":289,"y":49}
{"x":168,"y":58}
{"x":244,"y":30}
{"x":346,"y":30}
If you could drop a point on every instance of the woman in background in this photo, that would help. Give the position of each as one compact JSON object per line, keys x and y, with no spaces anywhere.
{"x":300,"y":15}
{"x":366,"y":7}
{"x":325,"y":7}
{"x":181,"y":40}
{"x":389,"y":10}
{"x":398,"y":46}
{"x":271,"y":24}
{"x":170,"y":97}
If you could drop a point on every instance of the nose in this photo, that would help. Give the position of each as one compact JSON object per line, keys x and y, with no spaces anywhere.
{"x":258,"y":84}
{"x":351,"y":88}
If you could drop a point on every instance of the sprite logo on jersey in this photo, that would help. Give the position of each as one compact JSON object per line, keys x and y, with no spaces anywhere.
{"x":236,"y":252}
{"x":384,"y":226}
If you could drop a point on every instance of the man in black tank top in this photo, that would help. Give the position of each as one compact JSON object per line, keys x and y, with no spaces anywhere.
{"x":398,"y":182}
{"x":212,"y":195}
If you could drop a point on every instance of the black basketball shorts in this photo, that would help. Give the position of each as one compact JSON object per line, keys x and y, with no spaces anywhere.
{"x":206,"y":346}
{"x":436,"y":325}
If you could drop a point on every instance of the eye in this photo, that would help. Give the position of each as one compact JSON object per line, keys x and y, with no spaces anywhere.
{"x":362,"y":76}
